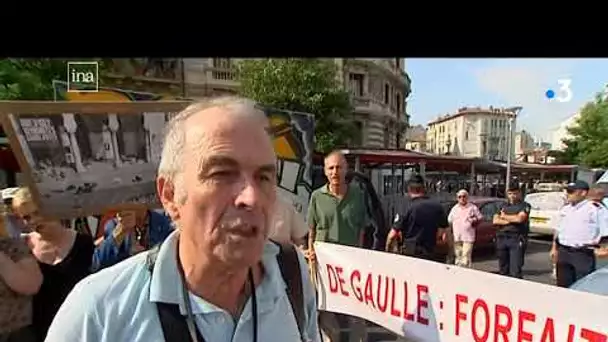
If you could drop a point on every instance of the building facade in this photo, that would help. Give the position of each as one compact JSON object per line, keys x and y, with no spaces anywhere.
{"x":523,"y":142}
{"x":416,"y":138}
{"x":379,"y":89}
{"x":561,"y":132}
{"x":473,"y":132}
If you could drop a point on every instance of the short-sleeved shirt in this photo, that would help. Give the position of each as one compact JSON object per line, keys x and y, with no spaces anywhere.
{"x":15,"y":308}
{"x":579,"y":224}
{"x":514,"y":209}
{"x":340,"y":221}
{"x":419,"y":221}
{"x":118,"y":304}
{"x":287,"y":223}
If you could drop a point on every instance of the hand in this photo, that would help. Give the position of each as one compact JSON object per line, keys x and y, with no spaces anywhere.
{"x":553,"y":255}
{"x":310,"y":255}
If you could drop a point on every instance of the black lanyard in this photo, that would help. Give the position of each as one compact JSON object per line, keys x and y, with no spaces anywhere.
{"x":192,"y":329}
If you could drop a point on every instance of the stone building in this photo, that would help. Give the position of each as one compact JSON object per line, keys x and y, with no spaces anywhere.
{"x":379,"y":89}
{"x":473,"y":132}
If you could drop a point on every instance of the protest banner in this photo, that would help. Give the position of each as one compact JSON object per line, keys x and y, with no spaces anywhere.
{"x":427,"y":301}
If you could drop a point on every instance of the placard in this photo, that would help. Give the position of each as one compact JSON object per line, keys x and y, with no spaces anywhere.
{"x":81,"y":158}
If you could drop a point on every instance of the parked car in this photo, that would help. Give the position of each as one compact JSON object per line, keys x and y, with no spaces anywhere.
{"x":486,"y":230}
{"x":545,"y":208}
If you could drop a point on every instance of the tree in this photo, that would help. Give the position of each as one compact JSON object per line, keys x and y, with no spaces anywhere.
{"x":32,"y":79}
{"x":589,"y":143}
{"x":302,"y":85}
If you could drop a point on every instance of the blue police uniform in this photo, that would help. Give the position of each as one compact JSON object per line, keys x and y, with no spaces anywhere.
{"x":578,"y":231}
{"x":511,"y":241}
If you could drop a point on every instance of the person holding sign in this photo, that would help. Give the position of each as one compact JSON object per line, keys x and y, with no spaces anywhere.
{"x":134,"y":229}
{"x":337,"y":214}
{"x":513,"y":222}
{"x":216,"y":277}
{"x":577,"y":234}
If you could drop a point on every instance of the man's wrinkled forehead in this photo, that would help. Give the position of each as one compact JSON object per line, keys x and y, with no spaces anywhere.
{"x":335,"y":160}
{"x":217,"y":129}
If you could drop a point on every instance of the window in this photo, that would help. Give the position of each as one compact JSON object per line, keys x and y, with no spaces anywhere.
{"x":387,"y":89}
{"x":386,"y":137}
{"x":221,"y":63}
{"x":356,"y":84}
{"x":466,"y":135}
{"x":398,"y":99}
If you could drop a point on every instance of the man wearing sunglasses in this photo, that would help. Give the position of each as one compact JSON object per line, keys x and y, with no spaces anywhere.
{"x":577,"y":233}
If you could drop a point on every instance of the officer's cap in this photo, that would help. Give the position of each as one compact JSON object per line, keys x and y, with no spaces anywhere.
{"x":577,"y":185}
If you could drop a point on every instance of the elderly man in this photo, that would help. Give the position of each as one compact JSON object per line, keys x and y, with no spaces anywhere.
{"x":216,"y":277}
{"x":463,"y":218}
{"x":337,"y":214}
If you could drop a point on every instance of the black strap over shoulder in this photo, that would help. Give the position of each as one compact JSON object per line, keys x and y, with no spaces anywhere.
{"x":292,"y":275}
{"x":174,"y":323}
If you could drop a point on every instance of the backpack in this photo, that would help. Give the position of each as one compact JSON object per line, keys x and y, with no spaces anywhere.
{"x":174,"y":324}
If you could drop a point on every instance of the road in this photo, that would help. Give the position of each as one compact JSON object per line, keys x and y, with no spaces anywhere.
{"x":537,"y":268}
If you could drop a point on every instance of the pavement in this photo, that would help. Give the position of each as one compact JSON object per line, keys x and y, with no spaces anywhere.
{"x":537,"y":268}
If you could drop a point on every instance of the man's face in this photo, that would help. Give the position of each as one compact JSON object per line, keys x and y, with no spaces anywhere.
{"x":225,"y":195}
{"x":576,"y":195}
{"x":463,"y":199}
{"x":513,"y":195}
{"x":335,"y":169}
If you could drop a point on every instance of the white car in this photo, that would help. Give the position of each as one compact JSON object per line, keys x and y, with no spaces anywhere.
{"x":545,"y":208}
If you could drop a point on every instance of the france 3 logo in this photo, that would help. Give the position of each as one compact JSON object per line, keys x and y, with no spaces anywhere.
{"x":563,"y":93}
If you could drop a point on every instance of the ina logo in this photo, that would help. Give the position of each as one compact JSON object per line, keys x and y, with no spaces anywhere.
{"x":83,"y":76}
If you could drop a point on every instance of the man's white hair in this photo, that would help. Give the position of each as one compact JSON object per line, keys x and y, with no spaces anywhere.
{"x":171,"y":160}
{"x":462,"y":192}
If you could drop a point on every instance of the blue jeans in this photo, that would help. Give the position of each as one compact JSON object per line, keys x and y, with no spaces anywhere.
{"x":510,"y":249}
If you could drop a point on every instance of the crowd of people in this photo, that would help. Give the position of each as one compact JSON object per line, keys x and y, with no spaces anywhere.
{"x":229,"y":260}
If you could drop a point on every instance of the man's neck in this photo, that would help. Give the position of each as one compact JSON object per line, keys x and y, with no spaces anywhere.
{"x":416,"y":194}
{"x":338,"y":190}
{"x":215,"y":283}
{"x":55,"y":235}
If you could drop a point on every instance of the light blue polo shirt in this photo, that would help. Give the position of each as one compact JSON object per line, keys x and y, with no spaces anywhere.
{"x":117,"y":304}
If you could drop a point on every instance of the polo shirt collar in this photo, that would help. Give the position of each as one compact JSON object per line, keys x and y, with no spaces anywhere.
{"x":164,"y":287}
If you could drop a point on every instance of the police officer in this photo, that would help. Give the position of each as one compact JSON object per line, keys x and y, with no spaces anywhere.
{"x":577,"y":233}
{"x":513,"y":223}
{"x":416,"y":226}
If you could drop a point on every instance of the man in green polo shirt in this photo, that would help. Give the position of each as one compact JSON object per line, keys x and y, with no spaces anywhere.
{"x":337,"y":214}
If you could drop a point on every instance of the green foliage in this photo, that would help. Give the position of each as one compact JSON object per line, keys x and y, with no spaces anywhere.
{"x":589,"y":143}
{"x":302,"y":85}
{"x":32,"y":79}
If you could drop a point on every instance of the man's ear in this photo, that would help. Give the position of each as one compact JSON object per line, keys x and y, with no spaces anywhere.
{"x":166,"y":194}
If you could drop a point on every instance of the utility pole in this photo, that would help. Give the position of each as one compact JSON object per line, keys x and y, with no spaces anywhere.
{"x":515,"y":112}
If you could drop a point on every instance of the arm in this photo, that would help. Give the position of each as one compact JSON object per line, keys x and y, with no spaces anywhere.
{"x":77,"y":318}
{"x":520,"y":217}
{"x":298,"y":228}
{"x":497,"y":218}
{"x":311,"y":219}
{"x":108,"y":252}
{"x":20,"y":271}
{"x":395,"y":234}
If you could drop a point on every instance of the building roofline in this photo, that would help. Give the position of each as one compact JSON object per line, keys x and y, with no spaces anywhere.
{"x":474,"y":110}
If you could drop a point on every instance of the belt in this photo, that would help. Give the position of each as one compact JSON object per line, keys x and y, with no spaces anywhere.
{"x":585,"y":247}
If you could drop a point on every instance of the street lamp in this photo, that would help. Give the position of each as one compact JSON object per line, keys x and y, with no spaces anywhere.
{"x":515,"y":112}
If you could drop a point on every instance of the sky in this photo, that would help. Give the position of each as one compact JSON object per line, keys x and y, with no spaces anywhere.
{"x":441,"y":86}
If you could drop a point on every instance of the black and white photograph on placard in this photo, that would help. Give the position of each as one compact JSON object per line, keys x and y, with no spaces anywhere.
{"x":91,"y":161}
